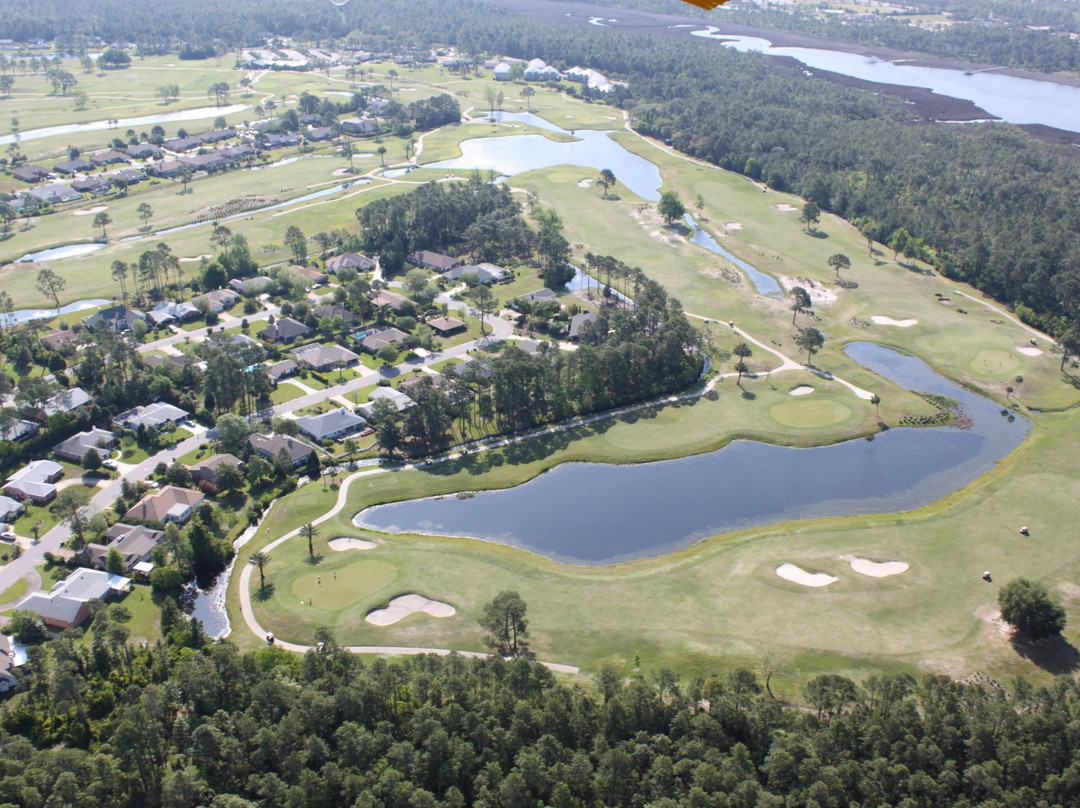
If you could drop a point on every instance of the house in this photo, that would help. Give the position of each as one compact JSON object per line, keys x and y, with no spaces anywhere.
{"x":126,"y":176}
{"x":432,"y":260}
{"x":234,"y":153}
{"x":538,"y":296}
{"x":167,"y":169}
{"x":30,"y":173}
{"x":309,"y":118}
{"x":207,"y":469}
{"x":91,"y":185}
{"x":117,"y":318}
{"x":18,"y":430}
{"x":360,"y":126}
{"x":280,"y":370}
{"x":487,"y":273}
{"x":280,"y":141}
{"x":135,"y":543}
{"x":217,"y":135}
{"x":67,"y":400}
{"x":76,"y":447}
{"x":251,"y":286}
{"x":202,"y":162}
{"x":395,"y":397}
{"x":330,"y":425}
{"x":54,"y":194}
{"x":372,"y":341}
{"x":141,"y":151}
{"x":218,"y":300}
{"x":396,"y":302}
{"x":325,"y":357}
{"x":502,"y":71}
{"x":8,"y":661}
{"x":10,"y":509}
{"x":68,"y":604}
{"x":269,"y":446}
{"x":284,"y":329}
{"x":578,"y":321}
{"x":361,"y":263}
{"x":539,"y":70}
{"x":182,"y":144}
{"x":152,"y":416}
{"x":172,"y":312}
{"x":73,"y":166}
{"x":170,"y":504}
{"x":313,"y":274}
{"x":332,"y":311}
{"x":242,"y":343}
{"x":444,"y":326}
{"x":320,"y":133}
{"x":57,"y":339}
{"x":110,"y":157}
{"x":35,"y":482}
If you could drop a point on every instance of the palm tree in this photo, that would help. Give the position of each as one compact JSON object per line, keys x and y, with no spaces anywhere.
{"x":743,"y":351}
{"x":875,"y":399}
{"x":309,"y":532}
{"x":528,"y":93}
{"x":262,"y":561}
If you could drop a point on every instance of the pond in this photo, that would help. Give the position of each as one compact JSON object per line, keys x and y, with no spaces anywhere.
{"x":765,"y":284}
{"x":592,"y":514}
{"x":67,"y":251}
{"x":1013,"y":99}
{"x":26,"y":315}
{"x":515,"y":154}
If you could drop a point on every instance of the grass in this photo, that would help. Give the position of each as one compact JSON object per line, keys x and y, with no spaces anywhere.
{"x":15,"y":591}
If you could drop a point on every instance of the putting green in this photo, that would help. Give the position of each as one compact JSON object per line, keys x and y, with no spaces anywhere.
{"x":810,"y":414}
{"x":990,"y":361}
{"x":346,"y":585}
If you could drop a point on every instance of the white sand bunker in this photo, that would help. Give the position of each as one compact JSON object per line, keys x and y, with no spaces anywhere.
{"x":801,"y":390}
{"x":882,"y":320}
{"x":585,"y":183}
{"x":88,"y":211}
{"x":877,"y":569}
{"x":191,"y":258}
{"x":404,"y":605}
{"x":785,"y":207}
{"x":733,"y":226}
{"x":797,"y":575}
{"x":340,"y":172}
{"x":1027,"y":350}
{"x":351,"y":544}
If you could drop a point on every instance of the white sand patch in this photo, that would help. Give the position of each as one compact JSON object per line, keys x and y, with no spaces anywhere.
{"x":404,"y":605}
{"x":88,"y":211}
{"x":351,"y":544}
{"x":733,"y":226}
{"x":340,"y":172}
{"x":819,"y":295}
{"x":797,"y":575}
{"x":192,"y":258}
{"x":877,"y":569}
{"x":882,"y":320}
{"x":784,"y":207}
{"x":585,"y":183}
{"x":1027,"y":350}
{"x":610,"y":118}
{"x":801,"y":390}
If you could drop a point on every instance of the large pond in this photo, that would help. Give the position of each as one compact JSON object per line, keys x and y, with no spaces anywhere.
{"x":582,"y":513}
{"x":26,"y":315}
{"x":124,"y":124}
{"x":1012,"y":99}
{"x":515,"y":154}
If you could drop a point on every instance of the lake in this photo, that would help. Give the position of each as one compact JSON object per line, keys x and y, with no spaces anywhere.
{"x":1013,"y":99}
{"x":593,"y":514}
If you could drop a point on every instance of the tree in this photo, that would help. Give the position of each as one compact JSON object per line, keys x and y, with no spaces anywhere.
{"x":606,"y":180}
{"x":295,"y":240}
{"x":28,"y":629}
{"x":800,"y":302}
{"x":228,"y":478}
{"x":220,"y":91}
{"x":898,"y":241}
{"x":261,"y":561}
{"x":114,"y":562}
{"x":309,"y":532}
{"x":839,"y":261}
{"x":50,"y":284}
{"x":670,"y":208}
{"x":743,"y":351}
{"x":6,"y":83}
{"x":145,"y":212}
{"x":381,"y":151}
{"x":811,"y":215}
{"x":313,"y":468}
{"x":810,"y":340}
{"x":505,"y":624}
{"x":91,"y":460}
{"x":875,"y":399}
{"x":484,"y":301}
{"x":527,"y":93}
{"x":699,"y":204}
{"x":1069,"y":344}
{"x":232,"y":432}
{"x":1028,"y":607}
{"x":70,"y":506}
{"x":387,"y":354}
{"x":102,"y":220}
{"x":120,"y":275}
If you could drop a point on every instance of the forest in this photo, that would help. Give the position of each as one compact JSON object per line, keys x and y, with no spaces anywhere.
{"x":186,"y":723}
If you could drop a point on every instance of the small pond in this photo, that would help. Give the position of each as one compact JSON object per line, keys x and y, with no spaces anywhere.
{"x":591,"y":514}
{"x":67,"y":251}
{"x":25,"y":315}
{"x":765,"y":284}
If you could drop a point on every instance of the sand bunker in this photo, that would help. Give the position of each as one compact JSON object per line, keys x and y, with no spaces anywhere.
{"x":585,"y":183}
{"x":351,"y":544}
{"x":797,"y":575}
{"x":733,"y":226}
{"x":404,"y":605}
{"x":880,"y":320}
{"x":88,"y":211}
{"x":785,"y":207}
{"x":191,"y":258}
{"x":801,"y":390}
{"x":340,"y":172}
{"x":877,"y":569}
{"x":1027,"y":350}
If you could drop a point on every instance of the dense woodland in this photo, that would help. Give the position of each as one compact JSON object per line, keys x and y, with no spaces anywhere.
{"x":183,"y":724}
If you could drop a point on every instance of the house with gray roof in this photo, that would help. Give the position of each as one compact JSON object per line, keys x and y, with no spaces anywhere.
{"x":251,"y":286}
{"x":8,"y":680}
{"x":360,"y":126}
{"x":325,"y":357}
{"x":269,"y":446}
{"x":487,"y":273}
{"x":109,"y":157}
{"x":54,"y":194}
{"x":73,"y":166}
{"x":30,"y":173}
{"x":67,"y":400}
{"x":372,"y":341}
{"x":279,"y":370}
{"x":135,"y":543}
{"x":127,"y":176}
{"x":152,"y":416}
{"x":336,"y":310}
{"x":10,"y":509}
{"x":432,"y":260}
{"x":578,"y":321}
{"x":218,"y":300}
{"x":538,"y":296}
{"x":91,"y":185}
{"x":207,"y":469}
{"x":400,"y":401}
{"x":284,"y":329}
{"x":35,"y":481}
{"x":361,"y":263}
{"x":172,"y":312}
{"x":76,"y":447}
{"x":330,"y":425}
{"x":141,"y":151}
{"x":18,"y":430}
{"x":118,"y":318}
{"x":444,"y":326}
{"x":68,"y":604}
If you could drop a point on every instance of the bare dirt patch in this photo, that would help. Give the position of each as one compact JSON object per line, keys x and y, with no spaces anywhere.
{"x":819,"y":295}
